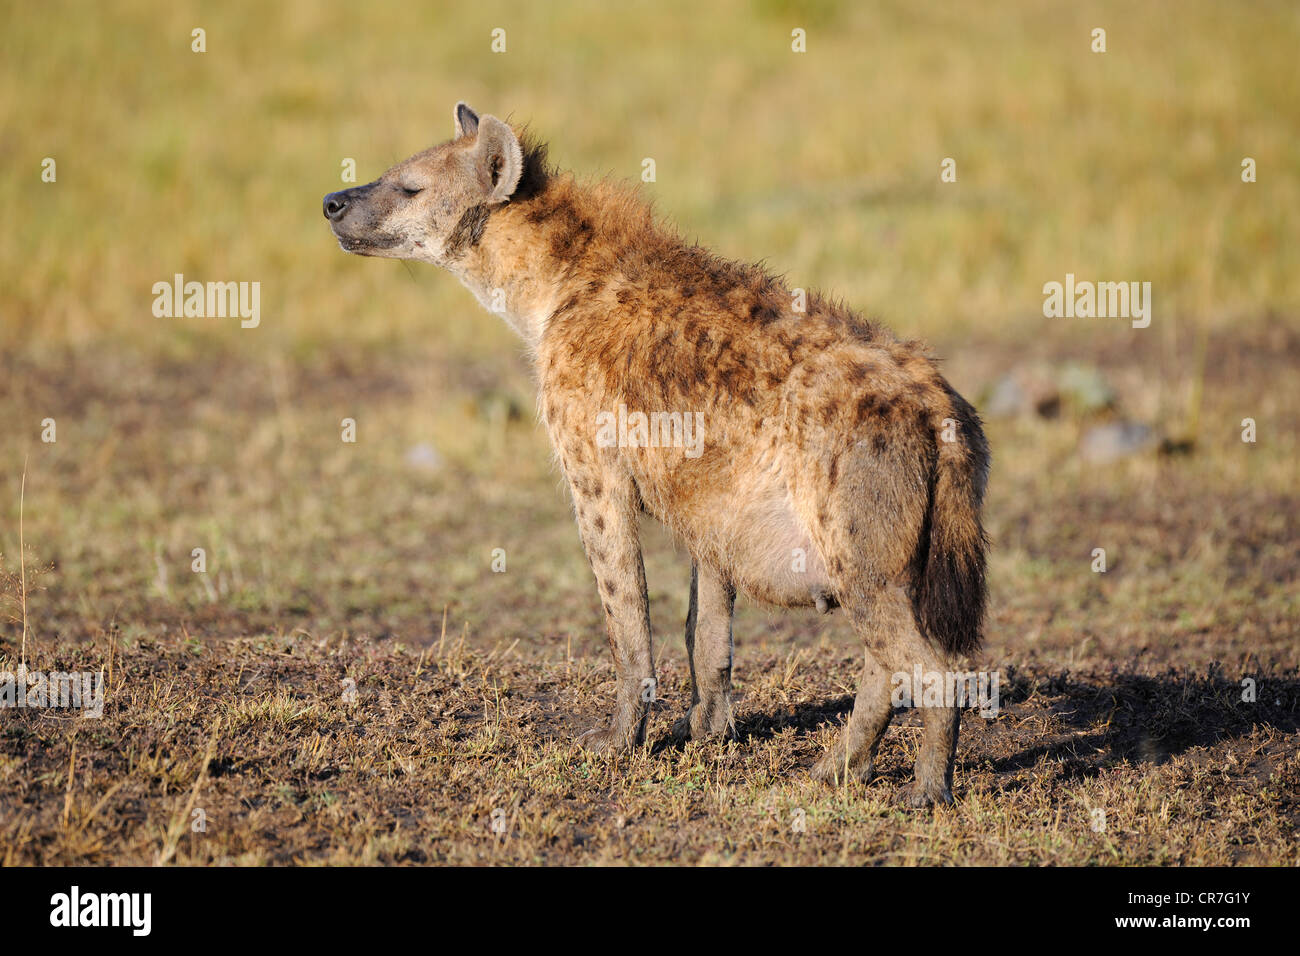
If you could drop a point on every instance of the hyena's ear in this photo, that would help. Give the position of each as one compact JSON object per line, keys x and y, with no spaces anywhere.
{"x":466,"y":120}
{"x":499,"y":156}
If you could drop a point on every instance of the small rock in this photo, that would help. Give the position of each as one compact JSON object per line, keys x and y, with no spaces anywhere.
{"x":1006,"y":399}
{"x":423,"y":457}
{"x":1029,"y":390}
{"x":1110,"y":442}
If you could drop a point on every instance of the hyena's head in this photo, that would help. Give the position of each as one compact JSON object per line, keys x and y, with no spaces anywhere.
{"x":435,"y":204}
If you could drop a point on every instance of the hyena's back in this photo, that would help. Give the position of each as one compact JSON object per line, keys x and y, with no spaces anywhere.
{"x":824,"y":472}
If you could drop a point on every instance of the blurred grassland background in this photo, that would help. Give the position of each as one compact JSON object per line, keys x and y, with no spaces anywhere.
{"x":1123,"y":165}
{"x":176,"y":432}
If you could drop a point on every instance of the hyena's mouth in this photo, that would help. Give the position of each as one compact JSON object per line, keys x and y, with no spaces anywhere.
{"x":366,"y":245}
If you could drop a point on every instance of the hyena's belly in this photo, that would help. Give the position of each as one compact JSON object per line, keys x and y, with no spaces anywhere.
{"x":752,"y":532}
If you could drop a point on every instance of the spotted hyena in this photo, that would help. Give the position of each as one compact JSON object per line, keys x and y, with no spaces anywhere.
{"x":827,"y":464}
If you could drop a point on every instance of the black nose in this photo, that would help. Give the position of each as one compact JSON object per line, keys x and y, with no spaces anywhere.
{"x":336,"y":204}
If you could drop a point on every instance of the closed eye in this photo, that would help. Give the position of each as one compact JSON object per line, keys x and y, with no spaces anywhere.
{"x":411,"y":192}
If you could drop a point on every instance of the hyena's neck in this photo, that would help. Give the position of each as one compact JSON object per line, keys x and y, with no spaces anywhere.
{"x":534,"y":255}
{"x":509,"y":278}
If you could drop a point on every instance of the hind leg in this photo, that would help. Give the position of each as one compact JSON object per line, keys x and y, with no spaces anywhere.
{"x":933,"y":783}
{"x":883,"y":616}
{"x":906,"y":653}
{"x":854,"y":753}
{"x":866,"y":507}
{"x":709,"y":650}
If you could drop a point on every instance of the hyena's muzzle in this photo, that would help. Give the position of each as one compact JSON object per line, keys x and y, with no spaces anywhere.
{"x":356,"y":215}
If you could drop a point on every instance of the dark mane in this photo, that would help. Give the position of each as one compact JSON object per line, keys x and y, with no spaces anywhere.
{"x":537,"y":169}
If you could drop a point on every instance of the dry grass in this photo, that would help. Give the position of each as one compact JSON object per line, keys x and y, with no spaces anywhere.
{"x":258,"y":736}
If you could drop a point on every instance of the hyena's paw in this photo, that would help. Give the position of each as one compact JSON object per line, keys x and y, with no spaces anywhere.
{"x":920,"y":796}
{"x":605,"y":739}
{"x":700,"y":723}
{"x":830,"y":769}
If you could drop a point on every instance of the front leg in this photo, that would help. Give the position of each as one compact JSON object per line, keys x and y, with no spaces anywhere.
{"x":709,"y":651}
{"x":607,"y":519}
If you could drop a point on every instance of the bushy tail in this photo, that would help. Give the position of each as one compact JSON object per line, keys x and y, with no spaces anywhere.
{"x":950,"y":594}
